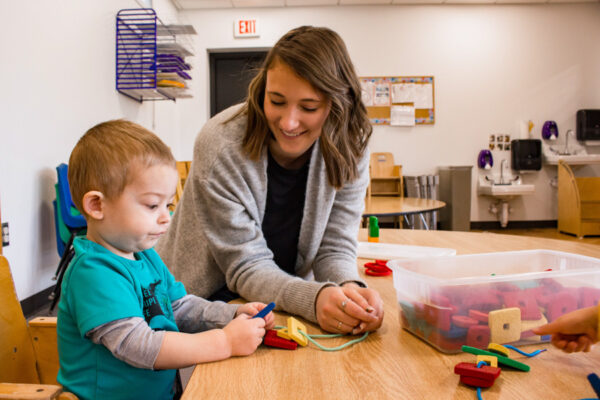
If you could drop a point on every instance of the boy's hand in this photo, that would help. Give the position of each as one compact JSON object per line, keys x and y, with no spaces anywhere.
{"x":244,"y":334}
{"x":574,"y":331}
{"x":252,"y":309}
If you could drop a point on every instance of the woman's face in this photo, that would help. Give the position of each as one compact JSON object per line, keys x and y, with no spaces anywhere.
{"x":295,"y":112}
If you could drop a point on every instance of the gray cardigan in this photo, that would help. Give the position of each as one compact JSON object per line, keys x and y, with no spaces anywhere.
{"x":216,"y":237}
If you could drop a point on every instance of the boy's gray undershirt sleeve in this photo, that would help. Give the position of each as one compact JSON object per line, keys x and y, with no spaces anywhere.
{"x":133,"y":341}
{"x":195,"y":314}
{"x":130,"y":340}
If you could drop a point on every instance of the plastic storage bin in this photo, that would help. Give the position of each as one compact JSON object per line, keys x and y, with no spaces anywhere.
{"x":491,"y":298}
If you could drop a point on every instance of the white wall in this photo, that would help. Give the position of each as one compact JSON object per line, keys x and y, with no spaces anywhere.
{"x":58,"y":73}
{"x":493,"y":65}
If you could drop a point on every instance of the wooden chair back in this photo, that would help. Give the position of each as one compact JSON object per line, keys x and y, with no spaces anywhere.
{"x":17,"y":355}
{"x":382,"y":165}
{"x":28,"y":351}
{"x":183,"y":168}
{"x":578,"y":202}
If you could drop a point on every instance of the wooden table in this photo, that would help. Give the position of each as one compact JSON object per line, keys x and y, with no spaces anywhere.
{"x":392,"y":363}
{"x":385,"y":206}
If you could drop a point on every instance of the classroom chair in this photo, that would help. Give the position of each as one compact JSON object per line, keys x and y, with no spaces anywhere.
{"x":28,"y":351}
{"x":385,"y":176}
{"x":69,"y":223}
{"x":183,"y":168}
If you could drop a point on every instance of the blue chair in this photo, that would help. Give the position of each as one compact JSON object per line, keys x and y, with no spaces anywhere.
{"x":69,"y":223}
{"x":71,"y":216}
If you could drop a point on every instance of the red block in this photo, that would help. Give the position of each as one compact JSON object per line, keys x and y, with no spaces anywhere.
{"x":271,"y":339}
{"x":462,"y":321}
{"x":468,"y":380}
{"x":524,"y":300}
{"x":478,"y":315}
{"x":473,"y":376}
{"x":589,"y":297}
{"x":560,"y":304}
{"x":478,"y":336}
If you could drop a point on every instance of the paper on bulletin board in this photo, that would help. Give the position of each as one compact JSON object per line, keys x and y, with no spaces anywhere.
{"x":424,"y":95}
{"x":368,"y":92}
{"x":402,"y":115}
{"x":382,"y":94}
{"x":403,"y":93}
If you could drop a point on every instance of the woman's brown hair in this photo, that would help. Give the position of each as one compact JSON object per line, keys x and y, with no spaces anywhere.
{"x":319,"y":56}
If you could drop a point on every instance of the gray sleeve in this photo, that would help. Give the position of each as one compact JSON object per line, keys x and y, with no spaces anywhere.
{"x":336,"y":258}
{"x":130,"y":340}
{"x":195,"y":314}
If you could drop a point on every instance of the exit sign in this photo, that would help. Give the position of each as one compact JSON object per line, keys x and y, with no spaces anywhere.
{"x":245,"y":28}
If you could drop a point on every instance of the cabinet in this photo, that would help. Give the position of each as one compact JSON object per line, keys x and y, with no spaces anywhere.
{"x":150,"y":56}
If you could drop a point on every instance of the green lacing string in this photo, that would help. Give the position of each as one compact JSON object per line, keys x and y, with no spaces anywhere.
{"x":327,"y":336}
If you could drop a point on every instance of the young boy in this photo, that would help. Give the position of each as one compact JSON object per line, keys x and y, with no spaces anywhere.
{"x":122,"y":315}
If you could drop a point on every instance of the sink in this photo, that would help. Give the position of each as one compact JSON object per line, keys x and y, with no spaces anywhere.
{"x":572,"y":159}
{"x":504,"y":191}
{"x":573,"y":155}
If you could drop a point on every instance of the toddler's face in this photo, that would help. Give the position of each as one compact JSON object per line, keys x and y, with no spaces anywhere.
{"x":140,"y":215}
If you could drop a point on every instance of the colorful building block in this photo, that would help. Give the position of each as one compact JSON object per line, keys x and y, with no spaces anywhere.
{"x":560,"y":304}
{"x":525,"y":300}
{"x":272,"y":339}
{"x":294,"y":327}
{"x":498,"y":349}
{"x":509,"y":362}
{"x":473,"y":376}
{"x":505,"y":325}
{"x":492,"y":361}
{"x":479,"y":315}
{"x":528,"y":325}
{"x":478,"y":336}
{"x":463,"y":321}
{"x":283,"y":333}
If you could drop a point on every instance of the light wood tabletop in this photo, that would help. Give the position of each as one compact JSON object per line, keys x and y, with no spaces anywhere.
{"x":395,"y":205}
{"x":392,"y":363}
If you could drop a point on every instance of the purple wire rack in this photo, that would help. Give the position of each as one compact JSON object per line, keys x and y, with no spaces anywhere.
{"x":136,"y":58}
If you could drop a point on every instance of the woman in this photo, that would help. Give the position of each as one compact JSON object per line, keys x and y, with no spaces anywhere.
{"x":272,"y":205}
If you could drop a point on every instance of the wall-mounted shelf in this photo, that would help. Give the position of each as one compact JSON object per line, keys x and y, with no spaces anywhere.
{"x":150,"y":57}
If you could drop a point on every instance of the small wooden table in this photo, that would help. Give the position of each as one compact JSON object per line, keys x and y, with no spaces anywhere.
{"x":386,"y":206}
{"x":392,"y":363}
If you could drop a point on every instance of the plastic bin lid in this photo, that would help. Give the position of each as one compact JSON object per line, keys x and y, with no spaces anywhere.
{"x":388,"y":251}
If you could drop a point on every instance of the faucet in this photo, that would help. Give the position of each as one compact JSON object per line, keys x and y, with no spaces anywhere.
{"x":502,"y":163}
{"x":566,"y":152}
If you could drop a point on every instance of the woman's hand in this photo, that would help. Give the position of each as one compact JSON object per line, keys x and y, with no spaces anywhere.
{"x":349,"y":309}
{"x":252,"y":309}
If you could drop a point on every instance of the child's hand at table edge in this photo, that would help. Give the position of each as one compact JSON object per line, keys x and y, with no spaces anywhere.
{"x":574,"y":331}
{"x":253,"y":308}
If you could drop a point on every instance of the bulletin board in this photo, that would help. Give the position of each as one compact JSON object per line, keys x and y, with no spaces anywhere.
{"x":399,"y":100}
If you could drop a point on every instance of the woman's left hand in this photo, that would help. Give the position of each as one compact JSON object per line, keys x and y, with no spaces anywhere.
{"x":349,"y":309}
{"x":253,"y":308}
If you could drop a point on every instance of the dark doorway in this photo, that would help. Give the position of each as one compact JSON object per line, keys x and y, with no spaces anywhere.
{"x":230,"y":74}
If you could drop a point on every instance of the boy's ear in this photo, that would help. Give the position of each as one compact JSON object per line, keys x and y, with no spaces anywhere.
{"x":93,"y":204}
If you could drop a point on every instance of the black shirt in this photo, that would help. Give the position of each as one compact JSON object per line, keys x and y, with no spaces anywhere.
{"x":286,"y":189}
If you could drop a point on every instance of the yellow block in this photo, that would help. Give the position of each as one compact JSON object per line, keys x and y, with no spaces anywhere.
{"x":490,"y":360}
{"x":505,"y":325}
{"x":294,"y":328}
{"x":283,"y":333}
{"x":498,"y":349}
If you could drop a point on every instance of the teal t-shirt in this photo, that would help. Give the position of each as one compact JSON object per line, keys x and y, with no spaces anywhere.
{"x":99,"y":287}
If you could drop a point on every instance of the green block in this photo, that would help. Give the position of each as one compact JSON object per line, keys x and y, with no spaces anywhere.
{"x":509,"y":362}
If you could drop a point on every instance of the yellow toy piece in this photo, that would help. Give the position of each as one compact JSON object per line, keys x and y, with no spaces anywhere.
{"x":498,"y":349}
{"x":505,"y":325}
{"x":490,"y":360}
{"x":283,"y":333}
{"x":294,"y":326}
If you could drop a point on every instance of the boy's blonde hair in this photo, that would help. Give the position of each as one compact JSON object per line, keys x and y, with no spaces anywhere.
{"x":107,"y":155}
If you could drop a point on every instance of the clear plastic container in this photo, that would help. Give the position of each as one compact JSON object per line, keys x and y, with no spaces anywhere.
{"x":494,"y":297}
